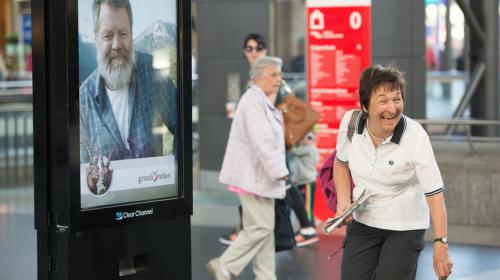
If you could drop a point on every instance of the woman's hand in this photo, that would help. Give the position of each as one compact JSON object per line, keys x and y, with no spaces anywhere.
{"x":442,"y":261}
{"x":342,"y":180}
{"x":342,"y":206}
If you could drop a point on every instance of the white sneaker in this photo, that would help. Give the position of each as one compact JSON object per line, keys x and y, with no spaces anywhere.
{"x":216,"y":270}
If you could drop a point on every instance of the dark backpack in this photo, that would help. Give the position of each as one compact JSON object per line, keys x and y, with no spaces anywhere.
{"x":326,"y":171}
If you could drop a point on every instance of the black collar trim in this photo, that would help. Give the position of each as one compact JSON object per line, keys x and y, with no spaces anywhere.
{"x":398,"y":131}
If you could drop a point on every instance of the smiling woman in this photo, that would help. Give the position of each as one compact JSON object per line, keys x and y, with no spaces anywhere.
{"x":382,"y":96}
{"x":391,"y":157}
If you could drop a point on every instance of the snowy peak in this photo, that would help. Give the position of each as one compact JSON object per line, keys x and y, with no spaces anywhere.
{"x":160,"y":34}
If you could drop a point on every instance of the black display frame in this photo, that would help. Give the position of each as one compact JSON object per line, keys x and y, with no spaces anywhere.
{"x":56,"y":102}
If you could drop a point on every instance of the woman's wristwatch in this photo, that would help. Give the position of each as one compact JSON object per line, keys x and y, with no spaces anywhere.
{"x":441,"y":239}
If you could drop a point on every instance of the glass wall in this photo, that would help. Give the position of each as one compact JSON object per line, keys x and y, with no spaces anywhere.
{"x":444,"y":56}
{"x":445,"y":35}
{"x":15,"y":40}
{"x":288,"y":33}
{"x":16,"y":117}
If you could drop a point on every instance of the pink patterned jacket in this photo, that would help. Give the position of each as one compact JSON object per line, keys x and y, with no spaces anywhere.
{"x":255,"y":153}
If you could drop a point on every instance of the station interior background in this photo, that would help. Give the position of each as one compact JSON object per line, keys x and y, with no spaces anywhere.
{"x":447,"y":77}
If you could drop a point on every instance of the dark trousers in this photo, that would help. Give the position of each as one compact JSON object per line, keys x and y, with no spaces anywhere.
{"x":373,"y":253}
{"x":307,"y":191}
{"x":296,"y":202}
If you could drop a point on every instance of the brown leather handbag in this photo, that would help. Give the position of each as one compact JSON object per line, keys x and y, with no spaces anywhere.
{"x":299,"y":119}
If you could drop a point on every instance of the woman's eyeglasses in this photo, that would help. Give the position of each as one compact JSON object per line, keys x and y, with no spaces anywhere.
{"x":250,"y":49}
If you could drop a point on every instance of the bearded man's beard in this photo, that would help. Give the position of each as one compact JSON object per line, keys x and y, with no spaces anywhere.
{"x":116,"y":67}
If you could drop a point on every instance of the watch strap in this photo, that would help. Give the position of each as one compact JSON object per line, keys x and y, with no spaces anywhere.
{"x":441,"y":239}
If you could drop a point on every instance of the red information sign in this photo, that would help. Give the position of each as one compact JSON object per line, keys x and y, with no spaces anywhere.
{"x":339,"y":48}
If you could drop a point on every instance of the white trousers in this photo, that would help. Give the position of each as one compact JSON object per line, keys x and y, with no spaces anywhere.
{"x":256,"y":241}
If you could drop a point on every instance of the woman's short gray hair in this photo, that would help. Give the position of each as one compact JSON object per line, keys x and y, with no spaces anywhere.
{"x":262,"y":63}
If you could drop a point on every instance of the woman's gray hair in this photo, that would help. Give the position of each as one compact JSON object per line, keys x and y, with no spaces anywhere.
{"x":262,"y":63}
{"x":96,"y":9}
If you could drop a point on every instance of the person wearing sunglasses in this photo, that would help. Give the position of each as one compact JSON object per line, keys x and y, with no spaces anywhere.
{"x":254,"y":47}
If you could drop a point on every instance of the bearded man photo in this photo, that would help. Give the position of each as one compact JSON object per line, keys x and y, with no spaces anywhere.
{"x":124,"y":100}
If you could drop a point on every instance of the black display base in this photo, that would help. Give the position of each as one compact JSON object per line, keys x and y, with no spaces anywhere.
{"x":142,"y":251}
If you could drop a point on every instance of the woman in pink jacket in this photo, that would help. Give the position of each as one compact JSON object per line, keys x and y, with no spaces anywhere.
{"x":255,"y":162}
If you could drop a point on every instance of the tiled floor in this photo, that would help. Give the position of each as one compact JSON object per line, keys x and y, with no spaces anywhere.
{"x":312,"y":262}
{"x":18,"y":246}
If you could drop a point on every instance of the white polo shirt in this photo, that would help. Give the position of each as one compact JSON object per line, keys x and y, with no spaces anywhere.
{"x":399,"y":174}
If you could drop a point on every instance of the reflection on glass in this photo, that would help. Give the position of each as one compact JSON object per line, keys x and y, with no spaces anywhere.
{"x":128,"y":100}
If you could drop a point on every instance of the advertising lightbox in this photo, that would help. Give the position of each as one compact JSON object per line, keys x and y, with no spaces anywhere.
{"x":112,"y":138}
{"x":128,"y":101}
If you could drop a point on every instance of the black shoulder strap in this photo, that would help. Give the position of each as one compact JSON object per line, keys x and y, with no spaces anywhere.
{"x":352,"y":124}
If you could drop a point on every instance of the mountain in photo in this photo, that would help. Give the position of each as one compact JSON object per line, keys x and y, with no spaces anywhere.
{"x":86,"y":58}
{"x":157,"y":36}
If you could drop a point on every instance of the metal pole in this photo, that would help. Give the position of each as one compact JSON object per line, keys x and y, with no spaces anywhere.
{"x":7,"y":167}
{"x":26,"y":166}
{"x":484,"y":104}
{"x":16,"y":147}
{"x":3,"y":182}
{"x":477,"y":74}
{"x":469,"y":137}
{"x":472,"y":21}
{"x":447,"y":58}
{"x":491,"y":76}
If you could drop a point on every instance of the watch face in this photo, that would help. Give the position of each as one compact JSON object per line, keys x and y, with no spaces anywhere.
{"x":441,"y":239}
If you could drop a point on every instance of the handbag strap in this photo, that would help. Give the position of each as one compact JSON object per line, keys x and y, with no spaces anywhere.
{"x":287,"y":88}
{"x":352,"y":124}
